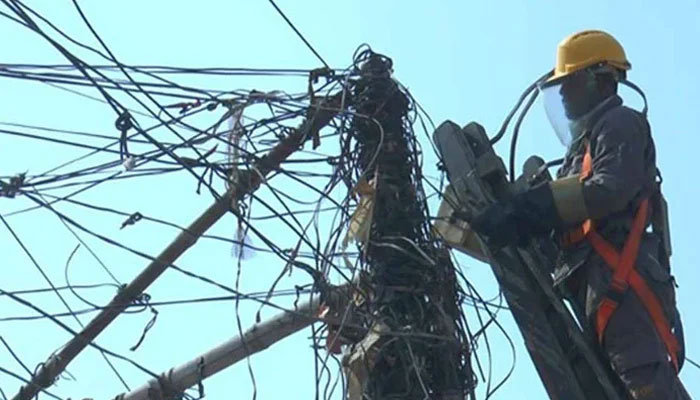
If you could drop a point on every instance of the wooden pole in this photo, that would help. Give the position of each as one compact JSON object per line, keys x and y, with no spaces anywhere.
{"x":257,"y":338}
{"x":323,"y":112}
{"x":415,"y":289}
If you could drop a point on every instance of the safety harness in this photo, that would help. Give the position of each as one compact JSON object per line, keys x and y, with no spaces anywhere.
{"x":624,"y":274}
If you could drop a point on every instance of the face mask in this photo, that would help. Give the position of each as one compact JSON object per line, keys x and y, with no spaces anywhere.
{"x":556,"y":112}
{"x":567,"y":127}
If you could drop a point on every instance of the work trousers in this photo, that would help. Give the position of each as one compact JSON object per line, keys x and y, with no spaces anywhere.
{"x":635,"y":350}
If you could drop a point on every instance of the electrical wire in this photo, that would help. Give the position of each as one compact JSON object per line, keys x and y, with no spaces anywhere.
{"x":312,"y":185}
{"x":306,"y":42}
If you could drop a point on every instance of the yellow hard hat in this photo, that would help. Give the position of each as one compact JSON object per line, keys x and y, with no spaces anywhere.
{"x":587,"y":48}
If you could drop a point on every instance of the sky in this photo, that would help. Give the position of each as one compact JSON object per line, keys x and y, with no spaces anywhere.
{"x":462,"y":60}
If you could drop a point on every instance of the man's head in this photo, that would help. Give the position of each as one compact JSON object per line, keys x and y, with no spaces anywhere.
{"x":589,"y":65}
{"x":583,"y":90}
{"x":587,"y":49}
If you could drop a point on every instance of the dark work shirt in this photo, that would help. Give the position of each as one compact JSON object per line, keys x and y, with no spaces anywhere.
{"x":624,"y":163}
{"x":623,"y":174}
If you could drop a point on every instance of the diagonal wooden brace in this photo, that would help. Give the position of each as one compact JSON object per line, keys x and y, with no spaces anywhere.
{"x":319,"y":116}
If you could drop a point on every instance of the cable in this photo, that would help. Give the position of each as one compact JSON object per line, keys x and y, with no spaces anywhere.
{"x":516,"y":131}
{"x":312,"y":185}
{"x":693,"y":363}
{"x":73,"y":287}
{"x":18,"y":377}
{"x":74,"y":333}
{"x":306,"y":42}
{"x":43,"y":274}
{"x":523,"y":96}
{"x":14,"y":355}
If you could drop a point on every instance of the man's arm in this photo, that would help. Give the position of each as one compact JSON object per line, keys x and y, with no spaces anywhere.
{"x":619,"y":151}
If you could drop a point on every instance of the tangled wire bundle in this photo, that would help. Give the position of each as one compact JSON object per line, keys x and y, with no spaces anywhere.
{"x":415,"y":289}
{"x":158,"y":126}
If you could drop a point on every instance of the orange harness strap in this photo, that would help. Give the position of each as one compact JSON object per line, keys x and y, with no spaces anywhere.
{"x":624,"y":273}
{"x":624,"y":276}
{"x":586,"y":164}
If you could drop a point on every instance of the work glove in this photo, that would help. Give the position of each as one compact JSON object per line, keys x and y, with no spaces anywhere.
{"x":515,"y":220}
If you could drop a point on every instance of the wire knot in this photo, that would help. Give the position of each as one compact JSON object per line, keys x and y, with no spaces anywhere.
{"x":133,"y":218}
{"x":11,"y":189}
{"x":123,"y":124}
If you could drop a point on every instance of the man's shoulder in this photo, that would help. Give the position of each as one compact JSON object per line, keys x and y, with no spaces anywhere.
{"x":622,"y":114}
{"x":621,"y":118}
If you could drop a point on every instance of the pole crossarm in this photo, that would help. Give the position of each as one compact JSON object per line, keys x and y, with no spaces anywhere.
{"x":257,"y":338}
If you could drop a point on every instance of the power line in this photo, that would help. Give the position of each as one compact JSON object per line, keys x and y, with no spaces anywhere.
{"x":14,"y":355}
{"x":300,"y":35}
{"x":18,"y":377}
{"x":58,"y":293}
{"x":76,"y":334}
{"x":288,"y":206}
{"x":260,"y":297}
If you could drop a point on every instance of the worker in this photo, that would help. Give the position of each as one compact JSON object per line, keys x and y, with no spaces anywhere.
{"x":599,"y":208}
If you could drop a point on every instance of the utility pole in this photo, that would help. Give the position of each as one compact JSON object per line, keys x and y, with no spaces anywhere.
{"x":320,"y":115}
{"x":416,"y":346}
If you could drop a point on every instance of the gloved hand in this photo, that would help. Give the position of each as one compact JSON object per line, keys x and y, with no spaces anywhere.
{"x":514,"y":220}
{"x":498,"y":224}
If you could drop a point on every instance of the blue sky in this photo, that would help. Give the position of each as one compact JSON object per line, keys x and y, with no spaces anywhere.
{"x":464,"y":61}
